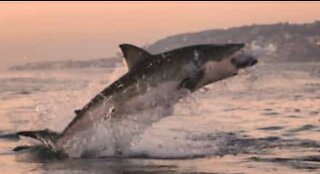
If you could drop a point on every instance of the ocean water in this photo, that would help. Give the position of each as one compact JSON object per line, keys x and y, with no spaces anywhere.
{"x":265,"y":120}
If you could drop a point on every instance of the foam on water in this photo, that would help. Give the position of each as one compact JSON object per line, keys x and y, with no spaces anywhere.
{"x":115,"y":136}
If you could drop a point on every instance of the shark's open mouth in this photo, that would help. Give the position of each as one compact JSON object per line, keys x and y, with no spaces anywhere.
{"x":244,"y":62}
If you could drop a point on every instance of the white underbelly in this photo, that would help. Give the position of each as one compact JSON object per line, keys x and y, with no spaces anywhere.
{"x":114,"y":135}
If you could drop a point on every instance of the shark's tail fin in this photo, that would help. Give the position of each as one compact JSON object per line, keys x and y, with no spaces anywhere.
{"x":20,"y":148}
{"x":47,"y":137}
{"x":43,"y":152}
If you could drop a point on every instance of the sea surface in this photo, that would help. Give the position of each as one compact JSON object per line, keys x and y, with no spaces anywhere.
{"x":266,"y":120}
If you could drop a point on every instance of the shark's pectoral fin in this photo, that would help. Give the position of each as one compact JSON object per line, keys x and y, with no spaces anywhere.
{"x":133,"y":54}
{"x":192,"y":81}
{"x":188,"y":83}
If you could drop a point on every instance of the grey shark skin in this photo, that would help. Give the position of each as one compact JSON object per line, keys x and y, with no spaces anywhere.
{"x":152,"y":81}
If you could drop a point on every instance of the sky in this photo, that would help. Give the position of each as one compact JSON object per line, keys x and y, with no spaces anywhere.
{"x":41,"y":31}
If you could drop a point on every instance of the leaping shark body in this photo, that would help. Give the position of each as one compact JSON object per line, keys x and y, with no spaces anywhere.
{"x":153,"y":83}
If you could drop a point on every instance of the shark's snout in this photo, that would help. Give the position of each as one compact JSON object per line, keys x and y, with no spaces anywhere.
{"x":244,"y":61}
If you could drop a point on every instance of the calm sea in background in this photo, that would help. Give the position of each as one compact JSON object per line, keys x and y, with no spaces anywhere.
{"x":265,"y":120}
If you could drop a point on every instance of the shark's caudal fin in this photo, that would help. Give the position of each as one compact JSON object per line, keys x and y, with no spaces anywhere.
{"x":133,"y":54}
{"x":39,"y":153}
{"x":43,"y":152}
{"x":47,"y":137}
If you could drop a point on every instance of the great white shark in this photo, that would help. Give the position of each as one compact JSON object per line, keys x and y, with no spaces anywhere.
{"x":153,"y":81}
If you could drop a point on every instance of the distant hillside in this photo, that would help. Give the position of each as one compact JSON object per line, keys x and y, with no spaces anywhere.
{"x":273,"y":43}
{"x":277,"y":42}
{"x":71,"y":64}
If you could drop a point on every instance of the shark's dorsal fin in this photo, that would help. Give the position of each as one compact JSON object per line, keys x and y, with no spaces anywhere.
{"x":133,"y":54}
